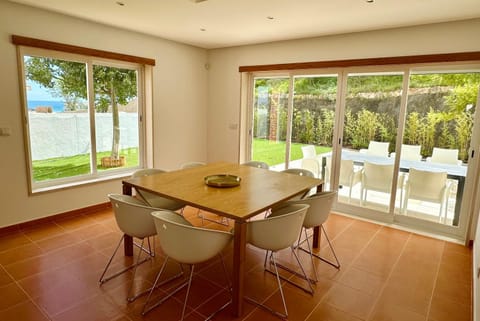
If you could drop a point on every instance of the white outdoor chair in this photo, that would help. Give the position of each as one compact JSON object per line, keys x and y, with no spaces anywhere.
{"x":257,"y":164}
{"x":317,"y":214}
{"x":350,"y":175}
{"x":277,"y":232}
{"x":154,"y":200}
{"x":376,"y":148}
{"x":312,"y":165}
{"x":427,"y":186}
{"x":444,"y":156}
{"x":377,"y":177}
{"x":134,"y":219}
{"x":309,"y":151}
{"x":409,"y":152}
{"x":186,"y":244}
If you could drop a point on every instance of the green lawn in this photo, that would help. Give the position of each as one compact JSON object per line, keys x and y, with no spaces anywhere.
{"x":273,"y":153}
{"x":60,"y":167}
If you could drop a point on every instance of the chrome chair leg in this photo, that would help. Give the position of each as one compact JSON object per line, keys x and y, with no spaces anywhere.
{"x":147,"y":309}
{"x":302,"y":275}
{"x":284,"y":315}
{"x":187,"y":283}
{"x":335,"y":264}
{"x":104,"y":279}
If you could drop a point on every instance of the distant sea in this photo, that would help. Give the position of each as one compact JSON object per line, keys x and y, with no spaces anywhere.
{"x":57,"y":106}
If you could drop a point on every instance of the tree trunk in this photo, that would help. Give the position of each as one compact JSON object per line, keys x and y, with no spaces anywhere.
{"x":116,"y":124}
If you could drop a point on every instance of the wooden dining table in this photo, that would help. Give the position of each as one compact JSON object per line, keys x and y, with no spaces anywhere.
{"x":259,"y":190}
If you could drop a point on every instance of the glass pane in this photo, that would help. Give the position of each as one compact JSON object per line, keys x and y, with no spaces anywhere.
{"x":370,"y":131}
{"x":59,"y":127}
{"x":270,"y":121}
{"x":313,"y":121}
{"x":439,"y":122}
{"x":116,"y":117}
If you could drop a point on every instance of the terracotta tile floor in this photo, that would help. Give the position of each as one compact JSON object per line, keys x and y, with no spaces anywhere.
{"x":51,"y":271}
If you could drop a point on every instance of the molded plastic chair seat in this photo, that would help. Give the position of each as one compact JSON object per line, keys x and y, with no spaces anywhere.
{"x":133,"y":219}
{"x":378,"y":177}
{"x":350,"y":175}
{"x":409,"y":152}
{"x":312,"y":165}
{"x":317,"y":214}
{"x":191,"y":164}
{"x":309,"y":151}
{"x":257,"y":164}
{"x":278,"y":231}
{"x":377,"y":148}
{"x":444,"y":156}
{"x":300,"y":172}
{"x":186,"y":244}
{"x":427,"y":186}
{"x":154,"y":200}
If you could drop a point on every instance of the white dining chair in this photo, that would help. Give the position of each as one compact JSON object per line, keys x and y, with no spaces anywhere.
{"x":430,"y":187}
{"x":312,"y":165}
{"x":191,"y":164}
{"x":134,"y":219}
{"x":308,"y":151}
{"x":299,"y":172}
{"x":409,"y":152}
{"x":155,"y":200}
{"x":280,"y":230}
{"x":444,"y":156}
{"x":376,"y":148}
{"x":375,"y":177}
{"x":317,"y":214}
{"x":350,"y":174}
{"x":190,"y":245}
{"x":257,"y":164}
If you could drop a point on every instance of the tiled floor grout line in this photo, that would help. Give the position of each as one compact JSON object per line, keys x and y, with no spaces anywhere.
{"x":437,"y":272}
{"x":384,"y":285}
{"x":346,"y":270}
{"x":29,"y":298}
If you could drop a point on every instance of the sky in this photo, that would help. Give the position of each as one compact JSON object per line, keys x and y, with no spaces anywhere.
{"x":37,"y":92}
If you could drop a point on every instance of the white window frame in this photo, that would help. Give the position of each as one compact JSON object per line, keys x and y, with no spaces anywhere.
{"x":94,"y":175}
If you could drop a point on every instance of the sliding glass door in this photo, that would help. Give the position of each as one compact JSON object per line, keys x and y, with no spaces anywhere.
{"x":286,"y":126}
{"x":371,"y":114}
{"x":393,"y":142}
{"x":269,"y":130}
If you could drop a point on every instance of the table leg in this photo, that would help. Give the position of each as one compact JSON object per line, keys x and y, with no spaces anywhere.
{"x":239,"y":248}
{"x":127,"y":240}
{"x":316,"y":229}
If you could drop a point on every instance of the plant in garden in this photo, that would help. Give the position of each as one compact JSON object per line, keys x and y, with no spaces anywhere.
{"x":412,"y":129}
{"x":365,"y":128}
{"x":463,"y":129}
{"x":325,"y":124}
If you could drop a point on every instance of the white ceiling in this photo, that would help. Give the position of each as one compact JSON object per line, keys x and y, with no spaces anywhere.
{"x":225,"y":23}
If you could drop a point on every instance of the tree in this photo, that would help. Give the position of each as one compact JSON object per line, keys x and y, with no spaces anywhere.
{"x":68,"y":79}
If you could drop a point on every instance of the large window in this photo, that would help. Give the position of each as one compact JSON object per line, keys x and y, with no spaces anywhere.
{"x":394,"y":142}
{"x":83,"y":117}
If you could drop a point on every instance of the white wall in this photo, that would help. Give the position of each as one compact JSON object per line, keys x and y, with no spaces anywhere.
{"x":179,"y":102}
{"x":224,"y":78}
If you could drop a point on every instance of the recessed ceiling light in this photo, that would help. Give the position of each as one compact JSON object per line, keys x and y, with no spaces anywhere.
{"x":203,"y":29}
{"x":369,"y":1}
{"x":270,"y":18}
{"x":121,"y":4}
